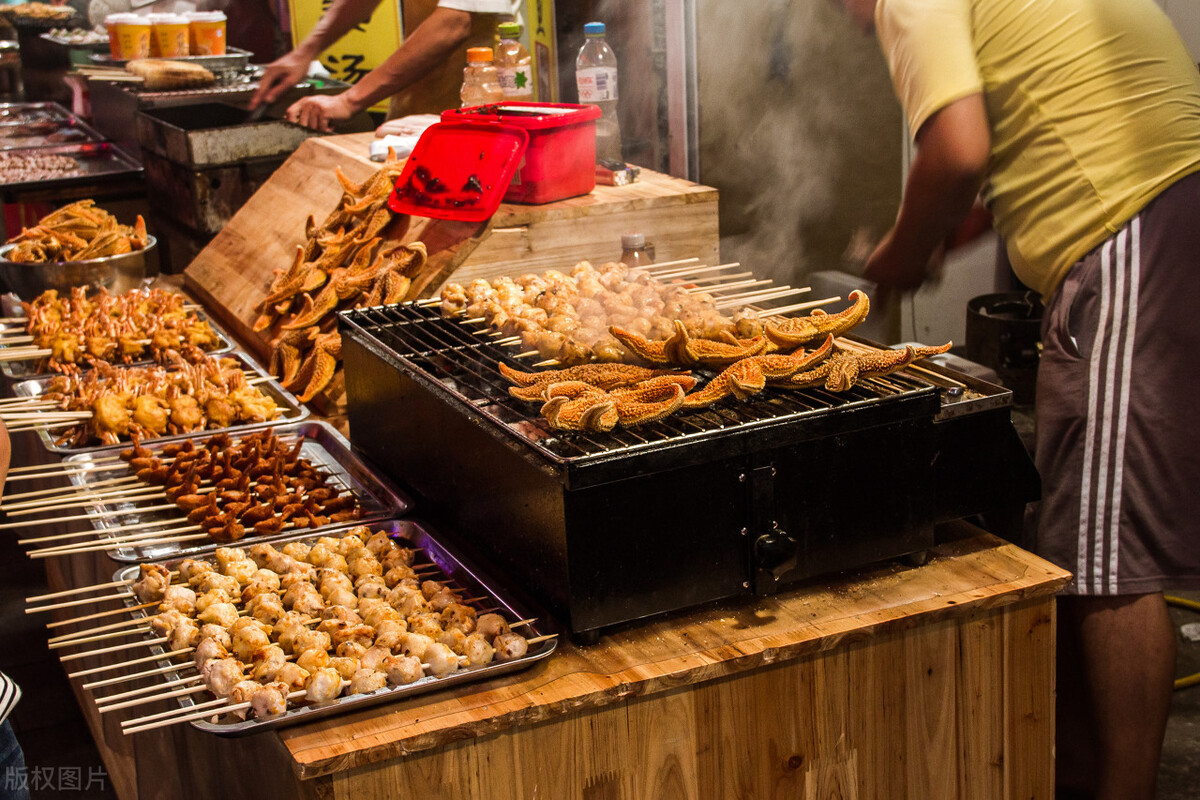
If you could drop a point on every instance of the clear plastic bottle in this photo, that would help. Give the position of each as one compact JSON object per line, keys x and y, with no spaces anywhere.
{"x":481,"y":84}
{"x":596,"y":79}
{"x":633,"y":250}
{"x":514,"y":64}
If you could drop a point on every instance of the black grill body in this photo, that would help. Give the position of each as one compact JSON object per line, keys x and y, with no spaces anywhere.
{"x":743,"y":498}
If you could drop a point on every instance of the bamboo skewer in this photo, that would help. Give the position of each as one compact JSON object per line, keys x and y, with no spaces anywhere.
{"x":654,"y":269}
{"x":114,"y":545}
{"x":98,"y":614}
{"x":125,"y":623}
{"x":712,"y":278}
{"x":782,"y":290}
{"x":758,"y":298}
{"x":133,"y":526}
{"x":43,"y":492}
{"x":112,"y":698}
{"x":131,"y":662}
{"x":78,"y":589}
{"x":726,"y":286}
{"x":79,"y":602}
{"x":84,"y":498}
{"x":538,"y":639}
{"x":93,"y":515}
{"x":58,"y":473}
{"x":220,"y":701}
{"x":37,"y":467}
{"x":688,"y":271}
{"x":198,"y":715}
{"x":135,"y":676}
{"x":800,"y":306}
{"x":141,"y":701}
{"x":115,"y":648}
{"x":99,"y":637}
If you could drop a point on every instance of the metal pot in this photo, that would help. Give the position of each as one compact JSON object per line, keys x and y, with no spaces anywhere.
{"x":115,"y":273}
{"x":1004,"y":332}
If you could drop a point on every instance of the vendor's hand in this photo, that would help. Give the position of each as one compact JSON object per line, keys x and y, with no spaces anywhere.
{"x":891,"y":271}
{"x":321,"y":111}
{"x":279,"y":76}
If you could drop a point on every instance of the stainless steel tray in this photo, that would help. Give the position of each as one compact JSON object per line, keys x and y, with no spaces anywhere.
{"x":32,"y":113}
{"x":95,"y":159}
{"x":69,"y":130}
{"x":455,"y":566}
{"x":327,"y":449}
{"x":293,"y":410}
{"x":233,"y":59}
{"x":24,"y":370}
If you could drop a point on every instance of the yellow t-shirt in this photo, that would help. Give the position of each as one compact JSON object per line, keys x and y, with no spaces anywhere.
{"x":1093,"y":106}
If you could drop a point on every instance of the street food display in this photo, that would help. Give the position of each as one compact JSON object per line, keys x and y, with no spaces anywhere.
{"x":92,"y":328}
{"x":255,"y":485}
{"x":344,"y":263}
{"x":21,"y":168}
{"x":159,"y":75}
{"x":157,"y":401}
{"x":38,"y":12}
{"x":598,"y":397}
{"x":77,"y":232}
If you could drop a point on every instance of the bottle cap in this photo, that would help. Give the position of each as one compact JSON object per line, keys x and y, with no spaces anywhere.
{"x":593,"y":29}
{"x":479,"y":55}
{"x":633,"y":241}
{"x":509,"y":30}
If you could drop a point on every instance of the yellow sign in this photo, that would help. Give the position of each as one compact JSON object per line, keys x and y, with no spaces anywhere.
{"x":364,"y":48}
{"x":539,"y":28}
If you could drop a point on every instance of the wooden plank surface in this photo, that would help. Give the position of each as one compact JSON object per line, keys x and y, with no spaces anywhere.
{"x":965,"y":576}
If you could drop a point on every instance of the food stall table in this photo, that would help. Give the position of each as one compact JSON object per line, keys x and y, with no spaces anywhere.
{"x":932,"y":681}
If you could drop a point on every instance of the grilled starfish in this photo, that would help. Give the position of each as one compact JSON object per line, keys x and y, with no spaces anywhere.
{"x":648,"y":403}
{"x":845,"y":368}
{"x":668,"y":351}
{"x":602,"y":376}
{"x":591,"y":412}
{"x":750,"y":375}
{"x":793,"y":332}
{"x":326,"y":351}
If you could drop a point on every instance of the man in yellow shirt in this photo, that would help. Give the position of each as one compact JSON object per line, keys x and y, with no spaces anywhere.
{"x":1080,"y":122}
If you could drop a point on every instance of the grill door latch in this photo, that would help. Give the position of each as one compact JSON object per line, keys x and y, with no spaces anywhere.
{"x":775,"y":552}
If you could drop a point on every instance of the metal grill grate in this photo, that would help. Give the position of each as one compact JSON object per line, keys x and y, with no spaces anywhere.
{"x":463,"y":359}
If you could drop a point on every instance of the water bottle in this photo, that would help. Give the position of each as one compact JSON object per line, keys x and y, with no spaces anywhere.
{"x":634,"y":252}
{"x":481,"y":84}
{"x":596,"y":79}
{"x":513,"y":64}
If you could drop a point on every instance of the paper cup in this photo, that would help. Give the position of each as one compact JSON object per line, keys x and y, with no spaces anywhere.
{"x":206,"y":31}
{"x":133,"y":39}
{"x":169,"y":36}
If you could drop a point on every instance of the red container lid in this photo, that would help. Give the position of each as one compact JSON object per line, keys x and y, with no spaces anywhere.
{"x":459,"y":171}
{"x":530,"y":116}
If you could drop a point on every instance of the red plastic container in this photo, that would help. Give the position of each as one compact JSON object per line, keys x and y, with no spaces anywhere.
{"x":560,"y":160}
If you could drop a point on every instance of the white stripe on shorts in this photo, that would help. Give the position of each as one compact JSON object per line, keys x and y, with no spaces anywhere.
{"x":1107,"y":414}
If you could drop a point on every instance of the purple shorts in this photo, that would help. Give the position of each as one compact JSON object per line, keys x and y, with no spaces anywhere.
{"x":1118,"y":401}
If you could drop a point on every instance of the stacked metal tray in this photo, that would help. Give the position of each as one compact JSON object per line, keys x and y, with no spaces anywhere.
{"x":453,"y":567}
{"x":323,"y":446}
{"x":291,"y":410}
{"x":92,"y":160}
{"x":233,"y":60}
{"x":50,"y":133}
{"x":26,"y":370}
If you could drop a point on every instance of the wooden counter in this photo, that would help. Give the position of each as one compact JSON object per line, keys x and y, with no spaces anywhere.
{"x":924,"y":682}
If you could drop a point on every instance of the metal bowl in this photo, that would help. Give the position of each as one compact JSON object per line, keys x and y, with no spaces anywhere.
{"x":115,"y":273}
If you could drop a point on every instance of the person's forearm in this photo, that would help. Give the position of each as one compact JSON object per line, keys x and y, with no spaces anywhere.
{"x":943,"y":181}
{"x":428,"y":46}
{"x":334,"y":24}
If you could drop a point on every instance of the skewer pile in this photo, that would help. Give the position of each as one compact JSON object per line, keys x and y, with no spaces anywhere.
{"x":265,"y":629}
{"x":134,"y":326}
{"x":225,"y":489}
{"x":115,"y":404}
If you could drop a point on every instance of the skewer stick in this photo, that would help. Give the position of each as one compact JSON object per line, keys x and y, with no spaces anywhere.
{"x":800,"y":306}
{"x":37,"y":467}
{"x":549,"y":362}
{"x":508,"y":340}
{"x":141,"y":701}
{"x":115,"y":648}
{"x":97,"y":615}
{"x":135,"y":676}
{"x":112,"y":698}
{"x":937,"y":375}
{"x":781,"y":290}
{"x":136,"y":526}
{"x":727,"y":286}
{"x":220,"y":701}
{"x":537,"y":639}
{"x":84,"y":498}
{"x":473,"y":320}
{"x":80,"y":602}
{"x":125,"y":623}
{"x":522,"y":622}
{"x":60,"y":490}
{"x":16,"y":339}
{"x":199,"y":715}
{"x":527,"y":354}
{"x":131,"y":662}
{"x":117,"y":545}
{"x":99,"y":637}
{"x":77,"y":590}
{"x":710,"y":279}
{"x":56,"y":473}
{"x":684,"y":273}
{"x":429,"y":301}
{"x":24,"y":354}
{"x":655,"y":268}
{"x":94,"y":515}
{"x":759,"y":298}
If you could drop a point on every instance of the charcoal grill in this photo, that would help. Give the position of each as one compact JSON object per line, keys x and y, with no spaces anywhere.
{"x":739,"y":498}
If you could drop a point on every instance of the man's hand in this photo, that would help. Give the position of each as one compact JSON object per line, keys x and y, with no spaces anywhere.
{"x":279,"y":76}
{"x":319,"y":112}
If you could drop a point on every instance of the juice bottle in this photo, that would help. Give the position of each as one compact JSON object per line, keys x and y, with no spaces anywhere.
{"x":513,"y":64}
{"x":633,"y":250}
{"x":481,"y":84}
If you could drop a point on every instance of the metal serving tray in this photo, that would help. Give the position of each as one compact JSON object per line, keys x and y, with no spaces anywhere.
{"x":327,"y":449}
{"x":457,"y":567}
{"x":32,"y":113}
{"x":293,"y":410}
{"x":95,"y":159}
{"x":50,"y":133}
{"x":233,"y":59}
{"x":24,"y":370}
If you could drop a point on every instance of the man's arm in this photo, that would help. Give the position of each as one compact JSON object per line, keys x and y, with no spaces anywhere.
{"x":430,"y":44}
{"x":286,"y":71}
{"x":946,"y":174}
